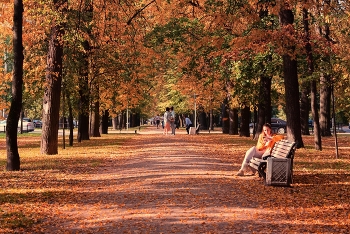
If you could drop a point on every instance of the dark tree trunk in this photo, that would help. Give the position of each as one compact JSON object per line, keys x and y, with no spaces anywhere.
{"x":95,"y":110}
{"x":233,"y":115}
{"x":114,"y":123}
{"x":104,"y":124}
{"x":70,"y":120}
{"x":122,"y":122}
{"x":291,"y":83}
{"x":245,"y":120}
{"x":255,"y":121}
{"x":264,"y":105}
{"x":211,"y":121}
{"x":83,"y":127}
{"x":84,"y":93}
{"x":225,"y":117}
{"x":52,"y":94}
{"x":316,"y":123}
{"x":313,"y":94}
{"x":13,"y":160}
{"x":203,"y":120}
{"x":95,"y":120}
{"x":133,"y":120}
{"x":305,"y":108}
{"x":265,"y":97}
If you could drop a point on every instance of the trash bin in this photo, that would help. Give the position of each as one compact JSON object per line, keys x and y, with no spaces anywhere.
{"x":192,"y":131}
{"x":279,"y":171}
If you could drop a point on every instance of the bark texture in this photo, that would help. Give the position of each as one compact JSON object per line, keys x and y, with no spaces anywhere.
{"x":291,"y":80}
{"x":13,"y":159}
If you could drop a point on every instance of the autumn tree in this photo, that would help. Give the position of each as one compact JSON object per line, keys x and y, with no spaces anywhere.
{"x":52,"y":94}
{"x":6,"y":46}
{"x":310,"y":71}
{"x":290,"y":77}
{"x":13,"y":159}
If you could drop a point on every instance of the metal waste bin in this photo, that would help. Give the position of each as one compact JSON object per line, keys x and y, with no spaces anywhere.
{"x":279,"y":171}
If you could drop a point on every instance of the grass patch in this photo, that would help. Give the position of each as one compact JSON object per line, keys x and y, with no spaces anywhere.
{"x":15,"y":220}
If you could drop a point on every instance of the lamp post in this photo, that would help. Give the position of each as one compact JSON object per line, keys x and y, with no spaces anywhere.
{"x":195,"y":112}
{"x":127,"y":116}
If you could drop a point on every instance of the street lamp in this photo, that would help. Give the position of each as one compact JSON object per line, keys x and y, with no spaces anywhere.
{"x":195,"y":112}
{"x":127,"y":116}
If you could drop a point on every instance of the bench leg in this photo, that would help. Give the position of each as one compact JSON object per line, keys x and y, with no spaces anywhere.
{"x":262,"y":170}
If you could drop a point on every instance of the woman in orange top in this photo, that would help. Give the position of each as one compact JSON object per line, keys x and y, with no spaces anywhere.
{"x":263,"y":147}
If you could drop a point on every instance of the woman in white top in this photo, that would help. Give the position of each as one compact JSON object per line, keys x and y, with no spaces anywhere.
{"x":167,"y":117}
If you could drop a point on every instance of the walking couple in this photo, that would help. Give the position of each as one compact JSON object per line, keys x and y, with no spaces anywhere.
{"x":169,"y":121}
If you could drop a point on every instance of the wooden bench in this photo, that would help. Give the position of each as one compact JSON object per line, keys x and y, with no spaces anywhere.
{"x":276,"y":168}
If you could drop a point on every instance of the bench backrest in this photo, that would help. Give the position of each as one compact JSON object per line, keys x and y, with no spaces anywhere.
{"x":283,"y":149}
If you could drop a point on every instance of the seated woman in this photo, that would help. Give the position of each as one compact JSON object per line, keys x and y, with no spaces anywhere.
{"x":263,"y":147}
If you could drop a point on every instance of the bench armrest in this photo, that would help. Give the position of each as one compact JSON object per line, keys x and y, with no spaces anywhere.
{"x":266,"y":157}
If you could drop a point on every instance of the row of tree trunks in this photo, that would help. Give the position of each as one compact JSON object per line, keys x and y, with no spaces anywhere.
{"x":120,"y":121}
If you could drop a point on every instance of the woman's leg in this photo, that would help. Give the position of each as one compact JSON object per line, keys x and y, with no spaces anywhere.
{"x":252,"y":152}
{"x":248,"y":156}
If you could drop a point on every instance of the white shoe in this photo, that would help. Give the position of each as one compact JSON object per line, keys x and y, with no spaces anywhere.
{"x":240,"y":173}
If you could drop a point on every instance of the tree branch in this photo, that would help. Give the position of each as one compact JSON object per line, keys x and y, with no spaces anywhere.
{"x":139,"y":11}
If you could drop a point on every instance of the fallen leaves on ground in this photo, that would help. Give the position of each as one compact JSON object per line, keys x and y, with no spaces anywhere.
{"x":151,"y":183}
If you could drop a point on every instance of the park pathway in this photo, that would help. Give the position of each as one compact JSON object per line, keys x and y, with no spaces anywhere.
{"x":184,"y":184}
{"x":163,"y":184}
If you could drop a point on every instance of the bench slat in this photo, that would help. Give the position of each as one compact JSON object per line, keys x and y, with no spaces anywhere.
{"x":283,"y":149}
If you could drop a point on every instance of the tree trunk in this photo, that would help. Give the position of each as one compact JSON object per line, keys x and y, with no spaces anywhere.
{"x":52,"y":94}
{"x":313,"y":94}
{"x":203,"y":120}
{"x":255,"y":121}
{"x":305,"y":108}
{"x":291,"y":83}
{"x":104,"y":122}
{"x":326,"y":87}
{"x":83,"y":127}
{"x":233,"y":115}
{"x":13,"y":160}
{"x":264,"y":105}
{"x":115,"y":122}
{"x":316,"y":124}
{"x":95,"y":120}
{"x":245,"y":119}
{"x":225,"y":117}
{"x":122,"y":122}
{"x":211,"y":125}
{"x":84,"y":93}
{"x":70,"y":120}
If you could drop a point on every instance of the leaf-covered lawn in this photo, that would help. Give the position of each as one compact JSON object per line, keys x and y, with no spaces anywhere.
{"x":139,"y":183}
